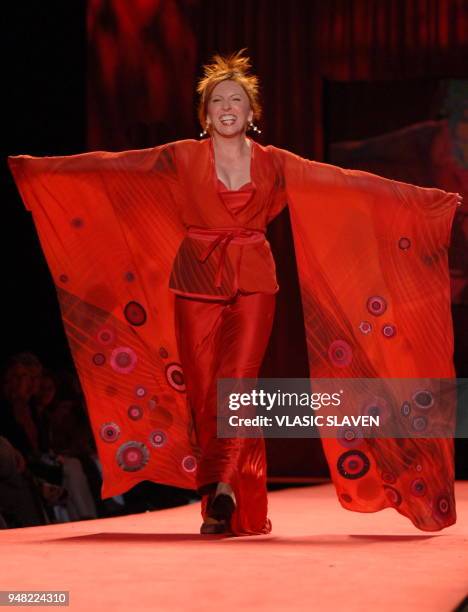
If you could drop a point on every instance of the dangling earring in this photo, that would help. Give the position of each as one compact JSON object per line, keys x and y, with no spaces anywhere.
{"x":253,"y":127}
{"x":205,"y":132}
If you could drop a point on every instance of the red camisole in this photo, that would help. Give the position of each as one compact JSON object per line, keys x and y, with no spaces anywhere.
{"x":235,"y":200}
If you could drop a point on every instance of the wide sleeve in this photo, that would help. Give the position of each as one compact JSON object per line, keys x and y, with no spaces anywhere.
{"x":109,"y":228}
{"x":370,"y":241}
{"x":373,"y":272}
{"x":305,"y":174}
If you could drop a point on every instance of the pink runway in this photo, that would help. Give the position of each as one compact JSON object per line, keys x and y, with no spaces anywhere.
{"x":319,"y":556}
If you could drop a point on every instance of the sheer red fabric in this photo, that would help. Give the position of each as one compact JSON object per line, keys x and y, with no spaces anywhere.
{"x":372,"y":266}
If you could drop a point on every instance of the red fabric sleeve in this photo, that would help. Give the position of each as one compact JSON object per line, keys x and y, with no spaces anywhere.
{"x":109,"y":228}
{"x":373,"y":272}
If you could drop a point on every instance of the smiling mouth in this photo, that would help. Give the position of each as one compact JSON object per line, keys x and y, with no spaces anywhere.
{"x":228,"y":120}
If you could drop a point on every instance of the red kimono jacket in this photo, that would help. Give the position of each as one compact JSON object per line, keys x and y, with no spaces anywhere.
{"x":372,"y":264}
{"x":241,"y":257}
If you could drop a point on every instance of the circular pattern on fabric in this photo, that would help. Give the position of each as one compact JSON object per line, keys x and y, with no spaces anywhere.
{"x":135,"y":314}
{"x":419,"y":423}
{"x":77,"y":222}
{"x":423,"y":399}
{"x":63,"y":278}
{"x":175,"y":376}
{"x":418,"y":487}
{"x":99,"y":359}
{"x":376,"y":305}
{"x":163,"y":353}
{"x":158,"y":438}
{"x":377,"y":407}
{"x":340,"y":353}
{"x":389,"y":477}
{"x":389,"y":330}
{"x":405,"y":409}
{"x":346,"y":498}
{"x":404,"y":243}
{"x":109,"y":432}
{"x":393,"y":495}
{"x":365,"y":327}
{"x":132,"y":456}
{"x":189,"y":463}
{"x":123,"y":359}
{"x":129,"y":277}
{"x":105,"y":336}
{"x":442,"y":506}
{"x":135,"y":412}
{"x":140,"y":391}
{"x":349,"y":437}
{"x":353,"y":464}
{"x":419,"y":468}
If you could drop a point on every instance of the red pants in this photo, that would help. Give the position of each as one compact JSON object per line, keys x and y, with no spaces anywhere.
{"x":226,"y":339}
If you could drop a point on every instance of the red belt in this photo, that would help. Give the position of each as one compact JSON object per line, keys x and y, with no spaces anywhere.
{"x":224,"y":236}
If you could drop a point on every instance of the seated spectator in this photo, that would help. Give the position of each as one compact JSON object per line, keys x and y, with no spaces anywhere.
{"x":20,"y":503}
{"x":20,"y":424}
{"x":59,"y":407}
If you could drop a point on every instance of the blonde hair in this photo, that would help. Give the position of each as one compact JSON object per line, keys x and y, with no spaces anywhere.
{"x":234,"y":67}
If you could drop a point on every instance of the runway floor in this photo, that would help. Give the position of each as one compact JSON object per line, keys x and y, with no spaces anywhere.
{"x":318,"y":557}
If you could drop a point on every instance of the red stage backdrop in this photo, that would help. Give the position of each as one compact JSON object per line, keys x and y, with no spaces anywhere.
{"x":142,"y":61}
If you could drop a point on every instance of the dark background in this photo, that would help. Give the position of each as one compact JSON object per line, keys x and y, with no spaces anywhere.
{"x":111,"y":74}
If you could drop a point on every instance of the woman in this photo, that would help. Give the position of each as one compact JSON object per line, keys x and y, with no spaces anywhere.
{"x":225,"y":338}
{"x":117,"y":228}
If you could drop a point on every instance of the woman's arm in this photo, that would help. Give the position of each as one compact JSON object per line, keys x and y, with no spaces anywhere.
{"x":303,"y":175}
{"x":55,"y":173}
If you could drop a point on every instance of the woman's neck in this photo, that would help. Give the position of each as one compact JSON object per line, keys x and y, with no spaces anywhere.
{"x":231,"y":148}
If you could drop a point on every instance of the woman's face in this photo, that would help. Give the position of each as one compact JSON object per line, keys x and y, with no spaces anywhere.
{"x":228,"y":109}
{"x":21,"y":382}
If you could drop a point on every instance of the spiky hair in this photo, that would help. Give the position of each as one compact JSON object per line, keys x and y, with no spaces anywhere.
{"x":234,"y":67}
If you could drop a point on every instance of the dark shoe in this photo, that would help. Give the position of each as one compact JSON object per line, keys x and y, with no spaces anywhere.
{"x":210,"y":528}
{"x":222,"y":508}
{"x":219,"y":512}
